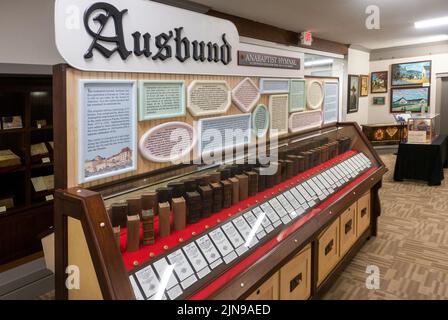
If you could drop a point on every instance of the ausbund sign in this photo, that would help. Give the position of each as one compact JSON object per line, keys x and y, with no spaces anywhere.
{"x":144,"y":36}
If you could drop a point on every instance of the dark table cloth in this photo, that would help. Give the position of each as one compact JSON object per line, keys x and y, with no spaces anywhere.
{"x":422,"y":161}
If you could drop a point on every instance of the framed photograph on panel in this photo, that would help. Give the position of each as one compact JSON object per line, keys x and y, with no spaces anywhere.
{"x":331,"y":101}
{"x":208,"y":97}
{"x":278,"y":114}
{"x":379,"y":81}
{"x":353,"y":94}
{"x":379,"y":101}
{"x":273,"y":85}
{"x":107,"y":128}
{"x":364,"y":91}
{"x":161,"y":99}
{"x":314,"y":94}
{"x":297,"y":95}
{"x":260,"y":120}
{"x":411,"y":73}
{"x":415,"y":99}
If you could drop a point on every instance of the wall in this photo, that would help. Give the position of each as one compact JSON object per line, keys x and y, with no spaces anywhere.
{"x":27,"y":33}
{"x":357,"y":64}
{"x":381,"y":114}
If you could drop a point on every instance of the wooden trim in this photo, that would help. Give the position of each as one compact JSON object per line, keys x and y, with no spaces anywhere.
{"x":257,"y":30}
{"x":106,"y":257}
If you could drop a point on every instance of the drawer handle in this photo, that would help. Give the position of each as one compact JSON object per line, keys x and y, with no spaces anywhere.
{"x":329,"y":247}
{"x":294,"y":283}
{"x":363,"y":212}
{"x":348,"y":226}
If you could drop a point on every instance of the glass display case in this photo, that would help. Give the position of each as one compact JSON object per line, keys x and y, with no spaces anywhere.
{"x":423,"y":128}
{"x":219,"y":231}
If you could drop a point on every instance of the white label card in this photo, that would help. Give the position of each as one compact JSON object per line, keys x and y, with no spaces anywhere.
{"x":285,"y":203}
{"x":136,"y":289}
{"x":242,"y":226}
{"x":298,"y":196}
{"x":161,"y":266}
{"x":2,"y":209}
{"x":50,"y":197}
{"x":194,"y":255}
{"x":221,"y":242}
{"x":303,"y":192}
{"x":46,"y":160}
{"x":278,"y":208}
{"x":233,"y":235}
{"x":257,"y":212}
{"x":148,"y":281}
{"x":208,"y":249}
{"x":270,"y":213}
{"x":181,"y":266}
{"x":295,"y":204}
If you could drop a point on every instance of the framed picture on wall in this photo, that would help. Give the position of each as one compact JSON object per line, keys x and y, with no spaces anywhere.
{"x":353,"y":94}
{"x":415,"y":99}
{"x":364,"y":91}
{"x":379,"y":101}
{"x":378,"y":82}
{"x":411,"y":73}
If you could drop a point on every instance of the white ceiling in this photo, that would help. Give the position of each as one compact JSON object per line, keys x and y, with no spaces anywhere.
{"x":344,"y":20}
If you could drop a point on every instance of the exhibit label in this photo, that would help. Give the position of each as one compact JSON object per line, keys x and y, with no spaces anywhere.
{"x":246,"y":95}
{"x":260,"y":120}
{"x":257,"y":59}
{"x":301,"y":121}
{"x":331,"y":101}
{"x":106,"y":128}
{"x":278,"y":114}
{"x":206,"y":98}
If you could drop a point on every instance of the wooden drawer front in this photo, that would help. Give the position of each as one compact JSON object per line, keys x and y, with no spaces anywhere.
{"x":347,"y":227}
{"x":328,"y":251}
{"x":363,"y":215}
{"x":295,"y":277}
{"x":268,"y":290}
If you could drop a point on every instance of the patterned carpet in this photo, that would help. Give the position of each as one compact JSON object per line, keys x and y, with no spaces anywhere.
{"x":411,"y":249}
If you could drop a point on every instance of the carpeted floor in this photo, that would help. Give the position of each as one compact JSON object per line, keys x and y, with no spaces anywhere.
{"x":411,"y":249}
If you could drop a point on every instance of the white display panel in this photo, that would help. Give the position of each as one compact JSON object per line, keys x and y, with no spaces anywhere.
{"x":208,"y":97}
{"x":278,"y":114}
{"x":246,"y":95}
{"x":314,"y":95}
{"x":331,"y":101}
{"x":107,"y":128}
{"x":270,"y":86}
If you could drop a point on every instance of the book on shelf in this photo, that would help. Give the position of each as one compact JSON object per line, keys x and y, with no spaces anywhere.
{"x":41,"y":123}
{"x":39,"y":149}
{"x":6,"y":203}
{"x":14,"y":122}
{"x":43,"y":183}
{"x":9,"y":159}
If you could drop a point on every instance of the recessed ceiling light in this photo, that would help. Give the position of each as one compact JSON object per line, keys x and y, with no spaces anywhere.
{"x":437,"y":22}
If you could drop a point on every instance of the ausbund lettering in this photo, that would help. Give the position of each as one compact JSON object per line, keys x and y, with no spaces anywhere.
{"x":160,"y":47}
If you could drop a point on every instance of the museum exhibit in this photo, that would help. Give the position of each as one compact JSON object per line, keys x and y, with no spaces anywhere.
{"x":223,"y":150}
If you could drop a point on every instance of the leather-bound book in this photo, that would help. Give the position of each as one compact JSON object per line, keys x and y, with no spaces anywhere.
{"x":206,"y":193}
{"x":179,"y":213}
{"x":164,"y":194}
{"x":217,"y":196}
{"x":134,"y":206}
{"x":164,"y":219}
{"x":295,"y":165}
{"x":194,"y":207}
{"x":190,"y":185}
{"x":261,"y":178}
{"x":177,"y":189}
{"x":149,"y":202}
{"x":119,"y":213}
{"x":289,"y":168}
{"x":244,"y":186}
{"x":252,"y":178}
{"x":133,"y":232}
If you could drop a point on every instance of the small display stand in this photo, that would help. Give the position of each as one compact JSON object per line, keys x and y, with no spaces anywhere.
{"x":423,"y":128}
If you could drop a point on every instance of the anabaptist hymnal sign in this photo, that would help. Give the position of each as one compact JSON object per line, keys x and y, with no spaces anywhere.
{"x":256,"y":59}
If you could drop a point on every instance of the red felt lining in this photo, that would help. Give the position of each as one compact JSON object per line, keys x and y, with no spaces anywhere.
{"x":174,"y":239}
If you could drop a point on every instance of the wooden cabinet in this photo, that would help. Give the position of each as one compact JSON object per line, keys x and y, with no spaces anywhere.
{"x":295,"y":277}
{"x":328,"y":250}
{"x":363,"y":214}
{"x":267,"y":291}
{"x":347,"y":225}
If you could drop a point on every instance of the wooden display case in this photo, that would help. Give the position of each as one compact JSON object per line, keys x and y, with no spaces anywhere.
{"x":29,"y":98}
{"x":266,"y":270}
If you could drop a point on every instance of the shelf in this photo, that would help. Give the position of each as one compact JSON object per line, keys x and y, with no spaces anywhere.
{"x":46,"y":128}
{"x":42,"y":165}
{"x":12,"y":131}
{"x":12,"y":169}
{"x":22,"y":208}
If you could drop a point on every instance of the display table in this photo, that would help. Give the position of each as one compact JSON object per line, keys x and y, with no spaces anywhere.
{"x":422,"y":161}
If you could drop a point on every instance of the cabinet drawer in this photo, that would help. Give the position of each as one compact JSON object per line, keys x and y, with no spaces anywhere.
{"x":347,"y":227}
{"x":363,"y":215}
{"x":328,"y":251}
{"x":267,"y":291}
{"x":295,"y":277}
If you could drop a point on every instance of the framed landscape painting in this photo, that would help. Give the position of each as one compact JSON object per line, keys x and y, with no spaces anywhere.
{"x":378,"y":82}
{"x":353,"y":94}
{"x":364,"y":91}
{"x":411,"y":73}
{"x":414,"y":99}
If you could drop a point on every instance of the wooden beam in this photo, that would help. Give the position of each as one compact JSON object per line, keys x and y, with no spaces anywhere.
{"x":257,"y":30}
